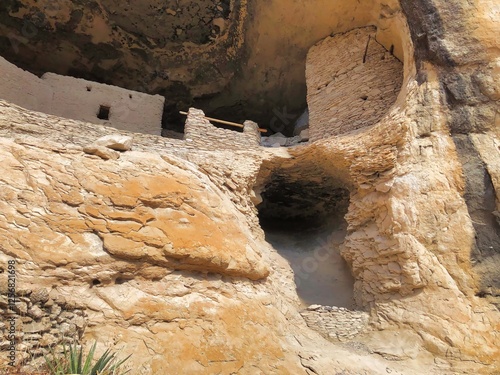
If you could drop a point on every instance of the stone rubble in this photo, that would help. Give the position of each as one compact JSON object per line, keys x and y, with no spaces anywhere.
{"x":302,"y":123}
{"x":102,"y":151}
{"x":107,"y":147}
{"x":43,"y":321}
{"x":117,"y":142}
{"x":335,"y":323}
{"x":304,"y":135}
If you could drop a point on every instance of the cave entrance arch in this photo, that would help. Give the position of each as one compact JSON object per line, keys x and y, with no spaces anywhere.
{"x":302,"y":214}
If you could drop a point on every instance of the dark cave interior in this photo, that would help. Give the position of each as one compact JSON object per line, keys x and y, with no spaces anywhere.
{"x":302,"y":215}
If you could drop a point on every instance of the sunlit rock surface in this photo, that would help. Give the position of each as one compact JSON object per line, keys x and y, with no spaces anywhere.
{"x":159,"y":251}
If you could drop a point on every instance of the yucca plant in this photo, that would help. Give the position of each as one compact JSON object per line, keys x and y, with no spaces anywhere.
{"x":72,"y":362}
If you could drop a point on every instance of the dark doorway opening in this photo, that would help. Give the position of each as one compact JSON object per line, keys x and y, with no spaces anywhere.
{"x":104,"y":112}
{"x":304,"y":222}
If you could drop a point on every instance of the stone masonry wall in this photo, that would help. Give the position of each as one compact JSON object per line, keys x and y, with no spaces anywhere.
{"x":43,"y":320}
{"x":79,"y":99}
{"x":128,"y":110}
{"x":23,"y":88}
{"x":335,"y":323}
{"x":352,"y":81}
{"x":200,"y":133}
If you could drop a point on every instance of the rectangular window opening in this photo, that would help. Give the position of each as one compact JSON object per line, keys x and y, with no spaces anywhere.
{"x":103,"y":112}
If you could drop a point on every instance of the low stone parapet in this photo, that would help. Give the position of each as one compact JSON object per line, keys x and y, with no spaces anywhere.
{"x":335,"y":323}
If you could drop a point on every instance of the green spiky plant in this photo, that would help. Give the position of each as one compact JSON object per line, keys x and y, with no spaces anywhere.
{"x":72,"y":362}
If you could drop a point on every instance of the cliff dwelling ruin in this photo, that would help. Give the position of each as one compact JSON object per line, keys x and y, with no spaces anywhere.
{"x":365,"y":79}
{"x":352,"y":81}
{"x":368,"y":243}
{"x":261,"y":78}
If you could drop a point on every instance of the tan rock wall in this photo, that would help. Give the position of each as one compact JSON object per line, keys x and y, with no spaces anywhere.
{"x":155,"y":218}
{"x":410,"y":238}
{"x":131,"y":299}
{"x":134,"y":298}
{"x":71,"y":219}
{"x":352,"y":81}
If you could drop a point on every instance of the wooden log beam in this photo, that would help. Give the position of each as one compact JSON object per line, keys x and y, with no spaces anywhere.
{"x":224,"y":122}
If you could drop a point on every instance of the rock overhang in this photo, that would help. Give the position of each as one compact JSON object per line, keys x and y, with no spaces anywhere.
{"x":247,"y":69}
{"x":410,"y":236}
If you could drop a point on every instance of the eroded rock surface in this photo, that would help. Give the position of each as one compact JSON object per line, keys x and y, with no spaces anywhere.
{"x":161,"y":253}
{"x":124,"y":246}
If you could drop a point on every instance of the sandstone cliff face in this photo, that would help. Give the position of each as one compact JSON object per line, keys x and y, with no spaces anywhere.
{"x":466,"y":66}
{"x":104,"y":253}
{"x":117,"y":231}
{"x":160,"y":251}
